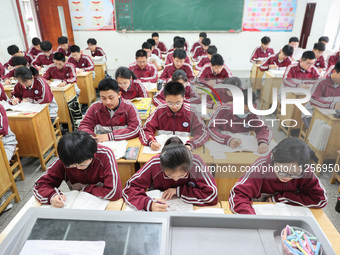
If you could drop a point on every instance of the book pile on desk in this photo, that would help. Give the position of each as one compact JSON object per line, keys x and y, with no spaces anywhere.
{"x":143,"y":106}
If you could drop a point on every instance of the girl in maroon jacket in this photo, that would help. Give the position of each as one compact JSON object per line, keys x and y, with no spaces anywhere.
{"x":176,"y":172}
{"x":283,"y":176}
{"x":84,"y":166}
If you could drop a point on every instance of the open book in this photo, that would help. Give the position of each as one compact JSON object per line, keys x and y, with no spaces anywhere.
{"x":23,"y":107}
{"x":118,"y":147}
{"x":55,"y":83}
{"x":162,"y":139}
{"x":282,"y":209}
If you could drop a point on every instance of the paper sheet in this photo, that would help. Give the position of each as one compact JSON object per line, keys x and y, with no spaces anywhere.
{"x":162,"y":139}
{"x":118,"y":147}
{"x":282,"y":209}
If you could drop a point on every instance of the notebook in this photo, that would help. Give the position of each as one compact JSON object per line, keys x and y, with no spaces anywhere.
{"x":162,"y":139}
{"x":319,"y":134}
{"x":23,"y":107}
{"x":282,"y":209}
{"x":118,"y":147}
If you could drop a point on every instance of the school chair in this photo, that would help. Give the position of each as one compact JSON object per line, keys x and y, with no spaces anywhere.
{"x":336,"y":175}
{"x":16,"y":167}
{"x":303,"y":132}
{"x":56,"y":128}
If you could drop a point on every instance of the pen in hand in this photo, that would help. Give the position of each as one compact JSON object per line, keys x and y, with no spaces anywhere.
{"x":58,"y":193}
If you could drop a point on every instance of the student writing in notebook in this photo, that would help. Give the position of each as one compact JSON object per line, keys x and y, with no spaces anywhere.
{"x":261,"y":52}
{"x":177,"y":173}
{"x":205,"y":59}
{"x":17,"y":62}
{"x":332,"y":59}
{"x":95,"y":50}
{"x":145,"y":71}
{"x":294,"y":42}
{"x":201,"y":36}
{"x":154,"y":59}
{"x":14,"y":51}
{"x":8,"y":137}
{"x":155,"y":50}
{"x":178,"y":44}
{"x":111,"y":118}
{"x":64,"y":46}
{"x":35,"y":48}
{"x":283,"y":176}
{"x":45,"y":57}
{"x":83,"y":63}
{"x":84,"y":166}
{"x":280,"y":60}
{"x":159,"y":45}
{"x":3,"y":95}
{"x":324,"y":40}
{"x":201,"y":51}
{"x":318,"y":50}
{"x":172,"y":48}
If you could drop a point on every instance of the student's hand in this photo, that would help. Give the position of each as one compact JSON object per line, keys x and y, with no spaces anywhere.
{"x":304,"y":86}
{"x":169,"y":193}
{"x":15,"y":101}
{"x":273,"y":66}
{"x":337,"y":106}
{"x":157,"y":207}
{"x":260,"y":62}
{"x":80,"y":70}
{"x":24,"y":100}
{"x":7,"y":82}
{"x":155,"y":146}
{"x":189,"y":147}
{"x":320,"y":70}
{"x":56,"y":202}
{"x":62,"y":84}
{"x":263,"y":148}
{"x":38,"y":68}
{"x":234,"y":143}
{"x":269,"y":199}
{"x":9,"y":68}
{"x":211,"y":83}
{"x":102,"y":138}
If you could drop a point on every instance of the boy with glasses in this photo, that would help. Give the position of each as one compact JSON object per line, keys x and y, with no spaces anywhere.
{"x":145,"y":71}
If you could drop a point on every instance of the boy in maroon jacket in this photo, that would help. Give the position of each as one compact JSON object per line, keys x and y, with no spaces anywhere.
{"x":201,"y":50}
{"x":155,"y":50}
{"x":17,"y":62}
{"x":145,"y":71}
{"x":35,"y":48}
{"x":95,"y":50}
{"x":178,"y":44}
{"x":161,"y":46}
{"x":331,"y":60}
{"x":44,"y":58}
{"x":283,"y":176}
{"x":206,"y":58}
{"x":64,"y":47}
{"x":112,"y":118}
{"x":201,"y":36}
{"x":14,"y":51}
{"x":318,"y":50}
{"x":84,"y":166}
{"x":262,"y":51}
{"x":282,"y":59}
{"x":83,"y":62}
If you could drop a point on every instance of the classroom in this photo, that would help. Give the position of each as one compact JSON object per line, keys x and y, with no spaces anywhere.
{"x":167,"y":127}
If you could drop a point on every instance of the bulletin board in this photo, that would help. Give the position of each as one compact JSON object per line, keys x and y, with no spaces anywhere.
{"x":92,"y":15}
{"x":269,"y":15}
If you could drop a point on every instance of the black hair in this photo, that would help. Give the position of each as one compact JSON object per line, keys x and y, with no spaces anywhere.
{"x":24,"y":73}
{"x":125,"y":73}
{"x":245,"y":97}
{"x":151,"y":41}
{"x":62,"y":40}
{"x":176,"y":155}
{"x":308,"y":55}
{"x":36,"y":41}
{"x":179,"y":53}
{"x":141,"y":53}
{"x":147,"y":45}
{"x":92,"y":41}
{"x":179,"y":43}
{"x":59,"y":56}
{"x":206,"y":41}
{"x":212,"y":50}
{"x":76,"y":147}
{"x":233,"y":81}
{"x":74,"y":48}
{"x":324,"y":39}
{"x":293,"y":39}
{"x":173,"y":140}
{"x":155,"y":34}
{"x":19,"y":61}
{"x":174,"y":88}
{"x":288,"y":50}
{"x":108,"y":84}
{"x":179,"y":75}
{"x":337,"y":66}
{"x":265,"y":40}
{"x":46,"y":46}
{"x":176,"y":37}
{"x":203,"y":34}
{"x":12,"y":49}
{"x":319,"y":46}
{"x":217,"y":60}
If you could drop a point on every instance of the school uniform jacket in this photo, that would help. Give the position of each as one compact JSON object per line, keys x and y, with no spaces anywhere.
{"x":295,"y":74}
{"x":124,"y":124}
{"x":198,"y":52}
{"x":9,"y":74}
{"x":66,"y":53}
{"x":8,"y":137}
{"x":3,"y":95}
{"x":184,"y":123}
{"x":33,"y":51}
{"x":157,"y":52}
{"x":85,"y":62}
{"x":2,"y":70}
{"x":148,"y":74}
{"x":161,"y":46}
{"x":42,"y":60}
{"x":196,"y":44}
{"x":325,"y":93}
{"x":101,"y":178}
{"x":329,"y":70}
{"x":207,"y":74}
{"x":136,"y":89}
{"x":202,"y":62}
{"x":169,"y":59}
{"x":98,"y":52}
{"x":67,"y":73}
{"x":274,"y":60}
{"x":332,"y":59}
{"x":307,"y":191}
{"x":260,"y":53}
{"x":170,"y":69}
{"x":320,"y":62}
{"x":198,"y":187}
{"x":223,"y":94}
{"x":28,"y":58}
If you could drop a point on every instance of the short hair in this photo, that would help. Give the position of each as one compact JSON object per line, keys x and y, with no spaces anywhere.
{"x":19,"y":61}
{"x":62,"y":40}
{"x":233,"y":81}
{"x":288,"y":50}
{"x":217,"y":60}
{"x":245,"y":97}
{"x":147,"y":45}
{"x":173,"y":140}
{"x":108,"y":84}
{"x":36,"y":41}
{"x":203,"y":34}
{"x":74,"y":48}
{"x":265,"y":40}
{"x":179,"y":53}
{"x":179,"y":43}
{"x":141,"y":53}
{"x":176,"y":37}
{"x":324,"y":39}
{"x":293,"y":39}
{"x":206,"y":41}
{"x":337,"y":66}
{"x":59,"y":56}
{"x":308,"y":55}
{"x":176,"y":155}
{"x":212,"y":50}
{"x":179,"y":75}
{"x":92,"y":41}
{"x":319,"y":46}
{"x":124,"y":72}
{"x":155,"y":34}
{"x":12,"y":49}
{"x":174,"y":88}
{"x":76,"y":147}
{"x":46,"y":46}
{"x":151,"y":41}
{"x":24,"y":73}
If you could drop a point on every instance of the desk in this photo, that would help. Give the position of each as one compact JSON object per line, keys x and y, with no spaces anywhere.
{"x":325,"y":224}
{"x":35,"y":135}
{"x":271,"y":81}
{"x":85,"y":84}
{"x":99,"y":69}
{"x":8,"y":90}
{"x":196,"y":207}
{"x":152,"y":92}
{"x":336,"y":175}
{"x":256,"y":77}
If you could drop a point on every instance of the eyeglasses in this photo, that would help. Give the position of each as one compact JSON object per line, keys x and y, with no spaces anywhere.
{"x":82,"y":165}
{"x":171,"y":104}
{"x":183,"y":176}
{"x":141,"y":62}
{"x":293,"y":176}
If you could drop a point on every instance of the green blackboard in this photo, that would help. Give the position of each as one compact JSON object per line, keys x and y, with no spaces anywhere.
{"x":179,"y":15}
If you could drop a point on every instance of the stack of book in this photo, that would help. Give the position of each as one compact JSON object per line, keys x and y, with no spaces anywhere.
{"x":143,"y":106}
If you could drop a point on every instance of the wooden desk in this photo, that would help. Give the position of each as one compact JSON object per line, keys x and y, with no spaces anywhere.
{"x":99,"y":69}
{"x":85,"y":83}
{"x":152,"y":92}
{"x":336,"y":175}
{"x":35,"y":135}
{"x":8,"y":90}
{"x":326,"y":225}
{"x":271,"y":81}
{"x":256,"y":77}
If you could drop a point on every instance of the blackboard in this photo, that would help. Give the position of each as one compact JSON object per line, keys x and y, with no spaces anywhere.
{"x":179,"y":15}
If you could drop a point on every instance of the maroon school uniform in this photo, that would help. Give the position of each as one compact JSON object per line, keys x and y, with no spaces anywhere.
{"x":122,"y":123}
{"x":161,"y":46}
{"x":9,"y":74}
{"x":170,"y":69}
{"x":157,"y":52}
{"x":100,"y":179}
{"x":66,"y":53}
{"x":33,"y":51}
{"x":320,"y":62}
{"x":329,"y":70}
{"x":148,"y":74}
{"x":332,"y":59}
{"x":198,"y":187}
{"x":274,"y":60}
{"x":169,"y":59}
{"x":202,"y":62}
{"x":207,"y":74}
{"x":42,"y":60}
{"x":85,"y":62}
{"x":185,"y":47}
{"x":307,"y":191}
{"x":295,"y":74}
{"x":136,"y":89}
{"x":198,"y":52}
{"x":3,"y":95}
{"x":67,"y":73}
{"x":98,"y":52}
{"x":2,"y":70}
{"x":260,"y":53}
{"x":185,"y":121}
{"x":325,"y":93}
{"x":28,"y":58}
{"x":223,"y":94}
{"x":196,"y":44}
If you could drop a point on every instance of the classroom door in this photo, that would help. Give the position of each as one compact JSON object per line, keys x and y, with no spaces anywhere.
{"x":55,"y":20}
{"x":307,"y":24}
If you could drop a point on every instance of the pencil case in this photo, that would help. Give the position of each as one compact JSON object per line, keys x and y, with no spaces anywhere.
{"x":131,"y":153}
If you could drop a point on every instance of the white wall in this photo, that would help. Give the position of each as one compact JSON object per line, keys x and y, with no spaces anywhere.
{"x":333,"y":25}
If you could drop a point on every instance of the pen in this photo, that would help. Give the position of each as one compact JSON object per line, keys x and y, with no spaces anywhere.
{"x":152,"y":138}
{"x":59,"y":195}
{"x":159,"y":202}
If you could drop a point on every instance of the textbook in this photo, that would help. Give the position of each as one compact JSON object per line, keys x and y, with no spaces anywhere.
{"x":143,"y":106}
{"x":25,"y":107}
{"x":55,"y":83}
{"x":118,"y":147}
{"x":282,"y":209}
{"x":162,"y":139}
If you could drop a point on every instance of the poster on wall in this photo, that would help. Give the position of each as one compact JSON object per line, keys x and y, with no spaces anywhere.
{"x":92,"y":15}
{"x":269,"y":15}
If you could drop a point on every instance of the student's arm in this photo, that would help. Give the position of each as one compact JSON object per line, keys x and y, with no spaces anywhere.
{"x":17,"y":93}
{"x":322,"y":63}
{"x":263,"y":132}
{"x":193,"y":97}
{"x":48,"y":74}
{"x":101,"y":52}
{"x":89,"y":64}
{"x":166,"y":77}
{"x":289,"y":80}
{"x":190,"y":73}
{"x":46,"y":93}
{"x":72,"y":74}
{"x":3,"y":121}
{"x":167,"y":59}
{"x":200,"y":130}
{"x":89,"y":122}
{"x":7,"y":64}
{"x":214,"y":123}
{"x":141,"y":89}
{"x":159,"y":98}
{"x":3,"y":95}
{"x":265,"y":65}
{"x":202,"y":76}
{"x":2,"y":70}
{"x":153,"y":75}
{"x":317,"y":99}
{"x":254,"y":56}
{"x":196,"y":54}
{"x":36,"y":62}
{"x":149,"y":129}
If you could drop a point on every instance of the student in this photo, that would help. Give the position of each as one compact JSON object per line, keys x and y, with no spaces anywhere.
{"x":318,"y":50}
{"x":214,"y":72}
{"x":14,"y":51}
{"x":178,"y":44}
{"x":8,"y":137}
{"x":84,"y":166}
{"x":205,"y":59}
{"x":17,"y":62}
{"x":44,"y":58}
{"x":223,"y":133}
{"x":201,"y":50}
{"x":145,"y":71}
{"x":332,"y":59}
{"x":3,"y":95}
{"x":324,"y":40}
{"x":35,"y":48}
{"x":156,"y":60}
{"x":284,"y":176}
{"x":111,"y":118}
{"x":178,"y":57}
{"x":64,"y":47}
{"x":190,"y":96}
{"x":34,"y":89}
{"x":155,"y":50}
{"x":172,"y":48}
{"x":129,"y":85}
{"x":2,"y":70}
{"x":303,"y":73}
{"x":281,"y":59}
{"x":159,"y":45}
{"x":174,"y":118}
{"x":95,"y":50}
{"x":261,"y":52}
{"x":201,"y":36}
{"x":294,"y":42}
{"x":83,"y":62}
